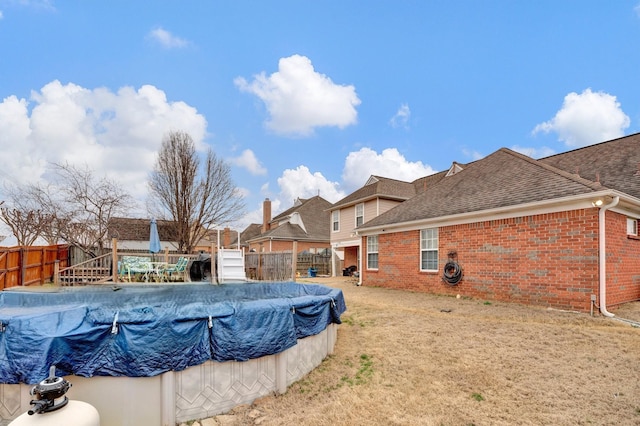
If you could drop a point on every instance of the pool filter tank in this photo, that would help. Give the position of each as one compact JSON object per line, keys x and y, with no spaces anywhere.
{"x":52,"y":407}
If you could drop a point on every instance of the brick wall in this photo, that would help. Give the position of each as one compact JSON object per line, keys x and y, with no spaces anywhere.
{"x":548,"y":260}
{"x":623,"y":262}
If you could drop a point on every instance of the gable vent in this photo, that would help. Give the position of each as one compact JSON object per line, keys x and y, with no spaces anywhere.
{"x":455,"y":168}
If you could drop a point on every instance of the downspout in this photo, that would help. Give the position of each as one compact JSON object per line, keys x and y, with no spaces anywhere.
{"x":360,"y":260}
{"x":602,"y":259}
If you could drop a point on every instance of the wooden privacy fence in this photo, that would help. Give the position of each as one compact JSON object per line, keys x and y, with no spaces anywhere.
{"x":320,"y":262}
{"x":30,"y":265}
{"x":277,"y":266}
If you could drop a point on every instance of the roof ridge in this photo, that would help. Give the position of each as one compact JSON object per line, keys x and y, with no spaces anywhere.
{"x":572,"y":176}
{"x":590,"y":146}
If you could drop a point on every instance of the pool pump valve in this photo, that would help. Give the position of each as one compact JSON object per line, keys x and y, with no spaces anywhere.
{"x":50,"y":392}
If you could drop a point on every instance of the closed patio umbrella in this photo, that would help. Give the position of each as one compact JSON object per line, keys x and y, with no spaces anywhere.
{"x":154,"y":238}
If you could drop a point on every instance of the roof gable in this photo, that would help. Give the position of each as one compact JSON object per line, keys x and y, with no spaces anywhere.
{"x":307,"y":219}
{"x":455,"y":168}
{"x":378,"y":187}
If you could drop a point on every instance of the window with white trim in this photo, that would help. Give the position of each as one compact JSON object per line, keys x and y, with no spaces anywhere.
{"x":335,"y":220}
{"x":359,"y":214}
{"x":632,"y":226}
{"x":429,"y":249}
{"x":372,"y":252}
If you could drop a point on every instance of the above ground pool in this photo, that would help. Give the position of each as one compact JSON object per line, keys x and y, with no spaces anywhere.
{"x":147,"y":330}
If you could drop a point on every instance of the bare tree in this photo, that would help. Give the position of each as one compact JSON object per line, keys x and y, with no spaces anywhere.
{"x":197,"y":197}
{"x":77,"y":207}
{"x":25,"y":220}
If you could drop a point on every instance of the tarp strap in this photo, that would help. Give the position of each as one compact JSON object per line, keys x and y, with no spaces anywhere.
{"x":210,"y":322}
{"x":293,"y":310}
{"x":333,"y":303}
{"x":3,"y":327}
{"x":114,"y":326}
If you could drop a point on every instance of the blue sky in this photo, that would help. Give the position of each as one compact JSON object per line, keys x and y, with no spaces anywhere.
{"x":303,"y":97}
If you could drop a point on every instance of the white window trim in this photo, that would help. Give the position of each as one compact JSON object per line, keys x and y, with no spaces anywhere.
{"x":356,"y":213}
{"x":424,"y":250}
{"x":371,"y":252}
{"x":632,"y":226}
{"x":333,"y":221}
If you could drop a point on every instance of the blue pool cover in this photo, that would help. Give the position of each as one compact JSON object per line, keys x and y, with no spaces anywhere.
{"x":140,"y":331}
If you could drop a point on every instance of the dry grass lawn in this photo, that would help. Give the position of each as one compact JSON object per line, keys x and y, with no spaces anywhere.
{"x":415,"y":359}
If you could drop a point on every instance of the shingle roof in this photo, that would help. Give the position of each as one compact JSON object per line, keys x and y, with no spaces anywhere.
{"x":504,"y":178}
{"x":423,"y":183}
{"x":251,"y":231}
{"x":616,"y":163}
{"x":128,"y":229}
{"x":379,"y":187}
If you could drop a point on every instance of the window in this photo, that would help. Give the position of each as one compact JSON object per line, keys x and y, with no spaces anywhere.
{"x":372,"y":252}
{"x":632,"y":226}
{"x":335,"y":220}
{"x":359,"y":214}
{"x":429,"y":249}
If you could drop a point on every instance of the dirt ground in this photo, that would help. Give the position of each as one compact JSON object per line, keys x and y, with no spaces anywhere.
{"x":415,"y":359}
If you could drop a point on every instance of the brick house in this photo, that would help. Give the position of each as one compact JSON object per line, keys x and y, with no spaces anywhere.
{"x":561,"y":231}
{"x":305,"y":223}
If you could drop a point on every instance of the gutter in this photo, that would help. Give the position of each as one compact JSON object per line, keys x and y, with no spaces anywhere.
{"x":602,"y":260}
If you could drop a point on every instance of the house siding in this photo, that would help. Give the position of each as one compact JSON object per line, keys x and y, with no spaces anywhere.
{"x":385,"y":205}
{"x":546,"y":260}
{"x":347,"y":222}
{"x":372,"y":209}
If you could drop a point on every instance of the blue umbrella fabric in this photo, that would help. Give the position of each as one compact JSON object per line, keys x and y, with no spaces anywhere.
{"x":154,"y":238}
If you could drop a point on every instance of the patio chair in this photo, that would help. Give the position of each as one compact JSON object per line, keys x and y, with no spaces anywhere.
{"x":178,"y":270}
{"x":135,"y":268}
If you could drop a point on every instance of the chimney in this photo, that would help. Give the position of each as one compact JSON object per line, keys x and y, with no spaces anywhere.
{"x":266,"y":215}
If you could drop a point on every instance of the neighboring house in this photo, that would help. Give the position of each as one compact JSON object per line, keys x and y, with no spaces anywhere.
{"x":252,"y":231}
{"x":377,"y":196}
{"x":561,"y":231}
{"x":305,"y":224}
{"x":133,"y":234}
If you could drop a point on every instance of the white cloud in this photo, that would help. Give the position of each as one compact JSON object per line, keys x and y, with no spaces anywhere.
{"x":359,"y":165}
{"x":299,"y":99}
{"x":249,"y":161}
{"x":115,"y":134}
{"x":1,"y":15}
{"x":636,"y":9}
{"x":166,"y":39}
{"x":401,"y":118}
{"x":587,"y":118}
{"x":294,"y":183}
{"x":301,"y":183}
{"x":534,"y":152}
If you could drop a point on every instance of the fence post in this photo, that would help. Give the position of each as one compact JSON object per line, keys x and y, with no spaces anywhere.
{"x":22,"y":268}
{"x":114,"y":260}
{"x":294,"y":261}
{"x":56,"y":272}
{"x":214,"y":258}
